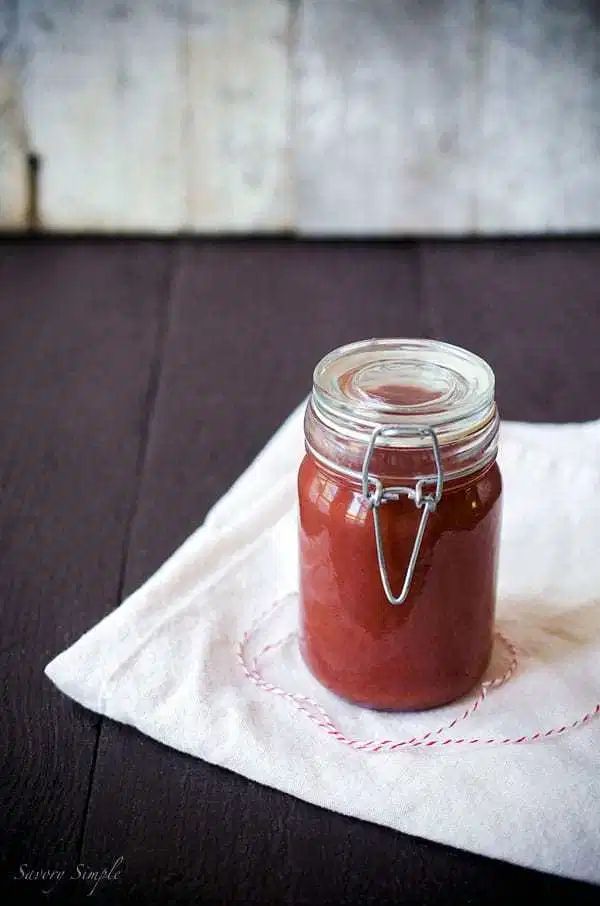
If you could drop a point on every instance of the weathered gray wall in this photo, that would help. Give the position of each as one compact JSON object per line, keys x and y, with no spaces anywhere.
{"x":379,"y":117}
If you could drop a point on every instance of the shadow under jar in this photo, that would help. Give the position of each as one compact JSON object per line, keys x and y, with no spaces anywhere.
{"x":400,"y":502}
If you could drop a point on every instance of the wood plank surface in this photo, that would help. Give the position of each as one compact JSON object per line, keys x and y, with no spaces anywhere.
{"x":136,"y":381}
{"x":78,"y":339}
{"x":247,"y":323}
{"x":156,"y":116}
{"x":538,"y":127}
{"x":447,"y":117}
{"x":532,"y":309}
{"x":14,"y":195}
{"x":102,"y":102}
{"x":236,"y":117}
{"x":323,"y":117}
{"x":386,"y":111}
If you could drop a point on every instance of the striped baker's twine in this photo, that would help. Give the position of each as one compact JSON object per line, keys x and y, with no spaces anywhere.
{"x":317,"y":714}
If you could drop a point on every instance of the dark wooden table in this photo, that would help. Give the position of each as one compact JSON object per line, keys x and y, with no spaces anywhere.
{"x":138,"y":378}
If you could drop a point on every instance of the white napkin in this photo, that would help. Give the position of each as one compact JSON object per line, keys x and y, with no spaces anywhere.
{"x":166,"y":662}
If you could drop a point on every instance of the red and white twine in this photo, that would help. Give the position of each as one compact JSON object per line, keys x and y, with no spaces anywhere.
{"x":317,"y":714}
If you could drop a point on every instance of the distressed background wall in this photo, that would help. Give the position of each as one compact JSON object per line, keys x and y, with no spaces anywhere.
{"x":322,"y":117}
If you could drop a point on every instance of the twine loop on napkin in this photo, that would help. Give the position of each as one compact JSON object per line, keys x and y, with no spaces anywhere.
{"x":432,"y":738}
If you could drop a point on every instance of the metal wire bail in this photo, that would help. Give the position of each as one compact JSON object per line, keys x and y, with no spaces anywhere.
{"x":380,"y":494}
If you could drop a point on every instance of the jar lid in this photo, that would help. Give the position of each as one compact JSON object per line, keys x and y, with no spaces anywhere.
{"x":404,"y":382}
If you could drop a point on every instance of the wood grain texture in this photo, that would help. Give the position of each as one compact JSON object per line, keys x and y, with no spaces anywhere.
{"x":448,"y":117}
{"x":79,"y":329}
{"x":532,"y":310}
{"x":325,"y":117}
{"x":538,"y":147}
{"x":387,"y":98}
{"x":248,"y":321}
{"x":160,"y":116}
{"x":13,"y":143}
{"x":235,"y":132}
{"x":120,"y":410}
{"x":101,"y":95}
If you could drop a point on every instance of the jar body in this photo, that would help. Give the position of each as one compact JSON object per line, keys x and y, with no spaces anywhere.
{"x":435,"y":646}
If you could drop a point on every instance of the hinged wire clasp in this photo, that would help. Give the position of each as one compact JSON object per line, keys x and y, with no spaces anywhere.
{"x":425,"y":502}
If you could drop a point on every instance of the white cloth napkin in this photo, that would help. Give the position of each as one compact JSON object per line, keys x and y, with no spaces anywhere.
{"x":166,"y":662}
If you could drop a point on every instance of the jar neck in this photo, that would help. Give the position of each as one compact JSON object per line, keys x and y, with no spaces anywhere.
{"x":405,"y":459}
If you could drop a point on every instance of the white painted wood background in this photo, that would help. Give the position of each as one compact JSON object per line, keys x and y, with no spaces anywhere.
{"x":325,"y":117}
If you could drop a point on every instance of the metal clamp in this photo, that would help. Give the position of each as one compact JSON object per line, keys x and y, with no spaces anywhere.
{"x":426,"y":502}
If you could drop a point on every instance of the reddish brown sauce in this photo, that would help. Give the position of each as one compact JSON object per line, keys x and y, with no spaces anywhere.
{"x":434,"y":647}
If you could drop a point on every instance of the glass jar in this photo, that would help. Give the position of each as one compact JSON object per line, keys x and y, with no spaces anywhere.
{"x":400,"y":502}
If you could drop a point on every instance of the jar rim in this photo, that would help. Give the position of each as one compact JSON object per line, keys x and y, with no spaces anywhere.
{"x":407,"y":382}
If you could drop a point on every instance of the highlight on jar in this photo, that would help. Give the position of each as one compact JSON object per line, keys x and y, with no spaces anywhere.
{"x":399,"y":522}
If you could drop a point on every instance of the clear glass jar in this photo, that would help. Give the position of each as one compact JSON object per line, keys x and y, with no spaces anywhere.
{"x":400,"y":503}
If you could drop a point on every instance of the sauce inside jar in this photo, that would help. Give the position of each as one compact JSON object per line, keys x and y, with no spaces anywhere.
{"x":433,"y":647}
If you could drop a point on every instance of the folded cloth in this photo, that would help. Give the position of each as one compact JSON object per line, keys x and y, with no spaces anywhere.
{"x":167,"y":661}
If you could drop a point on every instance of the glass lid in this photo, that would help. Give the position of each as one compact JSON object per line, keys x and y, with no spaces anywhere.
{"x":404,"y":382}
